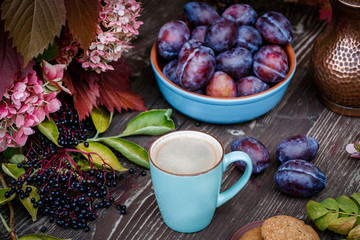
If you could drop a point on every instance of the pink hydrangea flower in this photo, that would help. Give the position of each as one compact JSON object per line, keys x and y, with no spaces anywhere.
{"x":118,"y":25}
{"x":25,"y":105}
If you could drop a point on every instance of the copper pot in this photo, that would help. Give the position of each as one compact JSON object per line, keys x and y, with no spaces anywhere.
{"x":335,"y":59}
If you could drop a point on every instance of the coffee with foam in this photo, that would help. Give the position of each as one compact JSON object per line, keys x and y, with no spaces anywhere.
{"x":185,"y":152}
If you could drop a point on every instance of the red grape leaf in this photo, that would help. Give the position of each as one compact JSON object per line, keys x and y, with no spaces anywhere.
{"x":33,"y":24}
{"x":82,"y":17}
{"x":84,"y":96}
{"x":115,"y":89}
{"x":11,"y":63}
{"x":325,"y":11}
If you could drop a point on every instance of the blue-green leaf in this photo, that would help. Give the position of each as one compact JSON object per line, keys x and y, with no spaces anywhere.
{"x":12,"y":170}
{"x":40,"y":237}
{"x":17,"y":158}
{"x":101,"y":118}
{"x":27,"y":201}
{"x":50,"y":130}
{"x":128,"y":149}
{"x":3,"y":199}
{"x":101,"y":154}
{"x":153,"y":122}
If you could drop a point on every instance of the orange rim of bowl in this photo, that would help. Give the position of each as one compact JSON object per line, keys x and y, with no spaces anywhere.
{"x":288,"y":49}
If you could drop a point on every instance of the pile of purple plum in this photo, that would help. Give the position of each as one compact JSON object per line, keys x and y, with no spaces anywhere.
{"x":296,"y":176}
{"x":232,"y":55}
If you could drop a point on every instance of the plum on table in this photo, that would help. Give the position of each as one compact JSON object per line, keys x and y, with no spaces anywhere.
{"x":258,"y":153}
{"x":300,"y":178}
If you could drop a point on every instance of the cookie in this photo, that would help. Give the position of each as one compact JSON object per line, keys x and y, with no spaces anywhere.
{"x":253,"y":234}
{"x":287,"y":228}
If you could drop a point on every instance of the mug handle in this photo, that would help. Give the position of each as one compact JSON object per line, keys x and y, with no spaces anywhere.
{"x":231,"y":192}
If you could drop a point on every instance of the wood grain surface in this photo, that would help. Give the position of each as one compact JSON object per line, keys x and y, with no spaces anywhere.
{"x":299,"y":112}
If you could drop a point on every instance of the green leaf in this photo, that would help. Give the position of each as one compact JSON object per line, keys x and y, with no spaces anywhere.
{"x":12,"y":170}
{"x":323,"y":222}
{"x":33,"y":24}
{"x":50,"y":130}
{"x":48,"y":55}
{"x":17,"y":158}
{"x":354,"y":234}
{"x":101,"y":118}
{"x":101,"y":154}
{"x":3,"y":199}
{"x":130,"y":150}
{"x":331,"y":204}
{"x":342,"y":225}
{"x":27,"y":201}
{"x":356,"y":198}
{"x":153,"y":122}
{"x":347,"y":205}
{"x":315,"y":210}
{"x":9,"y":152}
{"x":40,"y":237}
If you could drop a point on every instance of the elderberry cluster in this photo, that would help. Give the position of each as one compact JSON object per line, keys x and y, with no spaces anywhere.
{"x":71,"y":130}
{"x":66,"y":198}
{"x":66,"y":191}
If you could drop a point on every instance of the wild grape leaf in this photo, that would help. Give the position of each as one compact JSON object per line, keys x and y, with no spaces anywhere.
{"x":83,"y":85}
{"x":356,"y":198}
{"x":323,"y":222}
{"x":315,"y":210}
{"x":115,"y":89}
{"x":330,"y":203}
{"x":82,"y":17}
{"x":342,"y":225}
{"x":354,"y":234}
{"x":33,"y":24}
{"x":11,"y":62}
{"x":347,"y":205}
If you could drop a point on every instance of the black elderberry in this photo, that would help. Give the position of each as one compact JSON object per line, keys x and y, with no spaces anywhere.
{"x":122,"y":211}
{"x":131,"y":170}
{"x":43,"y":229}
{"x":8,"y":194}
{"x":86,"y":229}
{"x":19,"y":165}
{"x":86,"y":144}
{"x":143,"y":173}
{"x":118,"y":207}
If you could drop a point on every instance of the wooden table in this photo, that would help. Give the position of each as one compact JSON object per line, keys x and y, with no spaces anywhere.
{"x":300,"y":112}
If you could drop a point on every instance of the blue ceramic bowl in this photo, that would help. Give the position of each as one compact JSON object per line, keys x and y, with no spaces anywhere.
{"x":216,"y":109}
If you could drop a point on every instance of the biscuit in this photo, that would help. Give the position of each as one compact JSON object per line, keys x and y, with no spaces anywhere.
{"x":287,"y":228}
{"x":253,"y":234}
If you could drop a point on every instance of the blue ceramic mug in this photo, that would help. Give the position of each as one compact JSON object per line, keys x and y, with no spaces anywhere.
{"x":186,"y":170}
